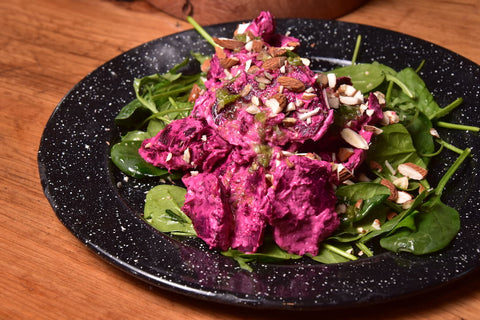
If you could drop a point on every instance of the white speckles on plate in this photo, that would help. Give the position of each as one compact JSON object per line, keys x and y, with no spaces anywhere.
{"x":81,"y":183}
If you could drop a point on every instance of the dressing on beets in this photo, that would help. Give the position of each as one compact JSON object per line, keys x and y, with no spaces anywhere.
{"x":279,"y":161}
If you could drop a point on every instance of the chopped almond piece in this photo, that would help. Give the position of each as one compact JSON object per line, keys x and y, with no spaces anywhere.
{"x":412,"y":171}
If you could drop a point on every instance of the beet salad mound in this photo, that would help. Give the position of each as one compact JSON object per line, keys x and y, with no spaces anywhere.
{"x":263,"y":149}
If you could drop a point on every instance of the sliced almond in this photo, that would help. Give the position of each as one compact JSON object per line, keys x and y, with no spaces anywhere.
{"x":393,"y":190}
{"x":354,"y":139}
{"x":412,"y":171}
{"x":322,"y":80}
{"x":275,"y":51}
{"x":292,"y":84}
{"x":349,"y":101}
{"x":401,"y":183}
{"x":253,"y":109}
{"x":380,"y":97}
{"x":332,"y":80}
{"x":403,"y":197}
{"x":308,"y":96}
{"x":408,"y":204}
{"x":359,"y":203}
{"x":344,"y":154}
{"x":391,"y":215}
{"x":227,"y":63}
{"x":341,"y":208}
{"x":257,"y":45}
{"x":186,"y":155}
{"x":389,"y":117}
{"x":333,"y":102}
{"x":205,"y":65}
{"x":288,"y":121}
{"x":293,"y":44}
{"x":227,"y":43}
{"x":276,"y":103}
{"x":246,"y":90}
{"x":376,"y":224}
{"x":344,"y":174}
{"x":376,"y":131}
{"x":194,"y":93}
{"x":374,"y":165}
{"x":253,"y":69}
{"x":263,"y":79}
{"x":220,"y":53}
{"x":434,"y":133}
{"x":281,"y":98}
{"x":274,"y":63}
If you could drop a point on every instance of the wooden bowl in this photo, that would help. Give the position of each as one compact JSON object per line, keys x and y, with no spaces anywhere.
{"x":208,"y":12}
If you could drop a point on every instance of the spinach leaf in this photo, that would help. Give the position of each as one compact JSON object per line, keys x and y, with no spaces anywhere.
{"x":125,"y":156}
{"x":423,"y":99}
{"x":394,"y":145}
{"x":269,"y":252}
{"x":132,"y":115}
{"x":365,"y":77}
{"x":361,"y":190}
{"x":157,"y":96}
{"x":372,"y":195}
{"x":436,"y":224}
{"x":392,"y":224}
{"x":163,"y":210}
{"x":136,"y":135}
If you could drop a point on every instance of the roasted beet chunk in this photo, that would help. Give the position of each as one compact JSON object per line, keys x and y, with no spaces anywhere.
{"x":303,"y":204}
{"x":185,"y":144}
{"x":248,"y":199}
{"x":206,"y":204}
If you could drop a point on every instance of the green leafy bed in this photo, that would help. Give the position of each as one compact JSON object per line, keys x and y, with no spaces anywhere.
{"x":425,"y":226}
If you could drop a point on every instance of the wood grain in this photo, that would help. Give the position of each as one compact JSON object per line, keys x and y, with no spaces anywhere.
{"x":48,"y":46}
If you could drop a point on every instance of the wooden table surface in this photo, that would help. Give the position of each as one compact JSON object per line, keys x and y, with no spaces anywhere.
{"x":46,"y":47}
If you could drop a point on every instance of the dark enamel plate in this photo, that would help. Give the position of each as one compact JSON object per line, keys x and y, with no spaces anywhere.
{"x":102,"y":208}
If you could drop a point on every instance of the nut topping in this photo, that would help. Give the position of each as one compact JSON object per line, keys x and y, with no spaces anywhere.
{"x":220,"y":53}
{"x":246,"y":90}
{"x":354,"y":139}
{"x":230,"y":44}
{"x":275,"y":52}
{"x":194,"y":93}
{"x":276,"y":103}
{"x":393,"y":190}
{"x":344,"y":154}
{"x":274,"y":63}
{"x":292,"y":84}
{"x":412,"y":171}
{"x":227,"y":63}
{"x":401,"y":183}
{"x":257,"y":45}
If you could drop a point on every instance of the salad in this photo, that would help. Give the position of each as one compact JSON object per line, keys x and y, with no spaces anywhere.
{"x":273,"y":161}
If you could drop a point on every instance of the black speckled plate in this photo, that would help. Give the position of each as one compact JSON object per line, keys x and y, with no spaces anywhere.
{"x":102,"y":208}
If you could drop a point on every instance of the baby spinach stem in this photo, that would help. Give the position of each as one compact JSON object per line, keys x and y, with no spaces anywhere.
{"x":444,"y":111}
{"x":402,"y":85}
{"x":339,"y":251}
{"x":364,"y":249}
{"x":389,"y":91}
{"x":433,"y":154}
{"x":356,"y":50}
{"x":201,"y":31}
{"x":441,"y":185}
{"x":449,"y":146}
{"x":420,"y":66}
{"x":457,"y":126}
